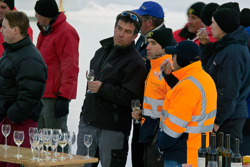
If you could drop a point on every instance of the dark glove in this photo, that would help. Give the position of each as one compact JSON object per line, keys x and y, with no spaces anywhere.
{"x":62,"y":107}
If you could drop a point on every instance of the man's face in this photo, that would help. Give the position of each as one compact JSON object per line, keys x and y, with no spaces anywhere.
{"x":154,"y":49}
{"x":176,"y":66}
{"x":8,"y":33}
{"x":40,"y":19}
{"x":3,"y":8}
{"x":216,"y":30}
{"x":194,"y":23}
{"x":124,"y":34}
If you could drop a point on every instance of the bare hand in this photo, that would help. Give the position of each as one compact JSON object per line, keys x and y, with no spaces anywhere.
{"x":203,"y":36}
{"x":166,"y":66}
{"x":94,"y":86}
{"x":136,"y":114}
{"x":216,"y":127}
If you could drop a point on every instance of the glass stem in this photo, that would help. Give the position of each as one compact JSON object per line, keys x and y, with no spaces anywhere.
{"x":55,"y":150}
{"x":33,"y":152}
{"x":6,"y":140}
{"x":47,"y":151}
{"x":38,"y":154}
{"x":70,"y":150}
{"x":18,"y":150}
{"x":53,"y":153}
{"x":88,"y":152}
{"x":62,"y":152}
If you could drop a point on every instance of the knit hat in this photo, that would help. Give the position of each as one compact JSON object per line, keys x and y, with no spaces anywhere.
{"x":10,"y":3}
{"x":195,"y":9}
{"x":232,"y":5}
{"x":46,"y":8}
{"x":163,"y":36}
{"x":245,"y":17}
{"x":227,"y":19}
{"x":150,"y":8}
{"x":207,"y":12}
{"x":186,"y":51}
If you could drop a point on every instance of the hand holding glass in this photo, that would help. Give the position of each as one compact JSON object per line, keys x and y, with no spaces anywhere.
{"x":135,"y":105}
{"x":18,"y":137}
{"x":90,"y":75}
{"x":6,"y":131}
{"x":88,"y":141}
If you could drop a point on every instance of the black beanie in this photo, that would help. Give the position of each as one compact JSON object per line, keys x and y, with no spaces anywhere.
{"x":232,"y":5}
{"x":163,"y":36}
{"x":245,"y":17}
{"x":227,"y":19}
{"x":195,"y":9}
{"x":10,"y":3}
{"x":46,"y":8}
{"x":207,"y":13}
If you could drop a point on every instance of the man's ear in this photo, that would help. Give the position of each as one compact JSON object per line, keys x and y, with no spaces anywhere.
{"x":135,"y":37}
{"x":16,"y":30}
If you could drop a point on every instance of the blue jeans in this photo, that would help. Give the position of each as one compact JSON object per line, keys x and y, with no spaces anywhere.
{"x":169,"y":163}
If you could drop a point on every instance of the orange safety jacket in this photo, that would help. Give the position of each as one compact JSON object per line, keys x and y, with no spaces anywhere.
{"x":155,"y":91}
{"x":188,"y":110}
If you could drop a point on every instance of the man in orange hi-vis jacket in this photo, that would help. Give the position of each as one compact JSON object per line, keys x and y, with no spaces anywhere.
{"x":189,"y":108}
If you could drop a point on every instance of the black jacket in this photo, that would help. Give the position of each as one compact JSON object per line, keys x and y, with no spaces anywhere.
{"x":122,"y":73}
{"x":23,"y":76}
{"x":228,"y":63}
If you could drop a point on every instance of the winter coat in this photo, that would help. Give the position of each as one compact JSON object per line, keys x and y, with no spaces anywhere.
{"x":23,"y":76}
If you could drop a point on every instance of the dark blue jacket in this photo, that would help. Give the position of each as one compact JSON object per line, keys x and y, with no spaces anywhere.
{"x":228,"y":63}
{"x":141,"y":45}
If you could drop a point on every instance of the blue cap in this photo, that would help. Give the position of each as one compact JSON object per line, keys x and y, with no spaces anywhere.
{"x":150,"y":8}
{"x":186,"y":51}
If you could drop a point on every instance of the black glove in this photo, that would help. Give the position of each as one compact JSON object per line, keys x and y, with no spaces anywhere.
{"x":62,"y":107}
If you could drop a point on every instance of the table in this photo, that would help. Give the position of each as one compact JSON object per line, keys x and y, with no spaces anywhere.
{"x":7,"y":155}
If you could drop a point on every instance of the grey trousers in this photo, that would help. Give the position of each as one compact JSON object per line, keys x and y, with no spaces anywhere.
{"x":110,"y":147}
{"x":48,"y":120}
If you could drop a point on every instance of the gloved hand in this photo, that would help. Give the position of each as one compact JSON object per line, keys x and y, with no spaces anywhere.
{"x":62,"y":107}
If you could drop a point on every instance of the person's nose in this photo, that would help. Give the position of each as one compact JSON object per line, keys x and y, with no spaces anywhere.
{"x":148,"y":47}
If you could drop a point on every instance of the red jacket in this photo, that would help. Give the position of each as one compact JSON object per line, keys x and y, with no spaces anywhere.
{"x":59,"y":49}
{"x":30,"y":32}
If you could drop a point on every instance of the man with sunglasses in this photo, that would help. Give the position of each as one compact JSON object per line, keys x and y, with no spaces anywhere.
{"x":6,"y":6}
{"x":119,"y":78}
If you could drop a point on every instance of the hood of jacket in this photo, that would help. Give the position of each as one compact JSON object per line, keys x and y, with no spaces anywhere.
{"x":239,"y":36}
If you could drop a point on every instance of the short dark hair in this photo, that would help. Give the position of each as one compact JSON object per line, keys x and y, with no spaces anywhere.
{"x":19,"y":19}
{"x":155,"y":20}
{"x":127,"y":19}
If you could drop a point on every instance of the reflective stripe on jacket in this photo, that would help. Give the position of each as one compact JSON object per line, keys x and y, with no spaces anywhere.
{"x":189,"y":109}
{"x":155,"y":91}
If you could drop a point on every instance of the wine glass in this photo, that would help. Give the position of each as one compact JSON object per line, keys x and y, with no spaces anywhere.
{"x":32,"y":131}
{"x":90,"y":75}
{"x":63,"y":142}
{"x":54,"y":144}
{"x":38,"y":138}
{"x":135,"y":105}
{"x":88,"y":141}
{"x":57,"y":132}
{"x":41,"y":131}
{"x":47,"y":138}
{"x":18,"y":137}
{"x":6,"y":131}
{"x":71,"y":141}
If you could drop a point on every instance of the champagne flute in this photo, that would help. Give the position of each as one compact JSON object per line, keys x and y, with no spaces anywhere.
{"x":135,"y":105}
{"x":54,"y":144}
{"x":71,"y":141}
{"x":18,"y":137}
{"x":39,"y":144}
{"x":47,"y":138}
{"x":6,"y":128}
{"x":41,"y":131}
{"x":57,"y":132}
{"x":63,"y":142}
{"x":90,"y":75}
{"x":88,"y":141}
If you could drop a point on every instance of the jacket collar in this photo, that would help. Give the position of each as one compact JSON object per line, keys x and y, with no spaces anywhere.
{"x":186,"y":34}
{"x":187,"y":70}
{"x":147,"y":34}
{"x":155,"y":63}
{"x":52,"y":24}
{"x":18,"y":45}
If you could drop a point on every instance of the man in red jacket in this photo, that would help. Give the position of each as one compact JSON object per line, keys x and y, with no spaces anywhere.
{"x":193,"y":25}
{"x":58,"y":43}
{"x":6,"y":6}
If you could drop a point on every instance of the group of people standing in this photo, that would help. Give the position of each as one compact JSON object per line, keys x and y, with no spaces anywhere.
{"x":188,"y":83}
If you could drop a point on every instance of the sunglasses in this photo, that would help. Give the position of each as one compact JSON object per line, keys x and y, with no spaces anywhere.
{"x":132,"y":16}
